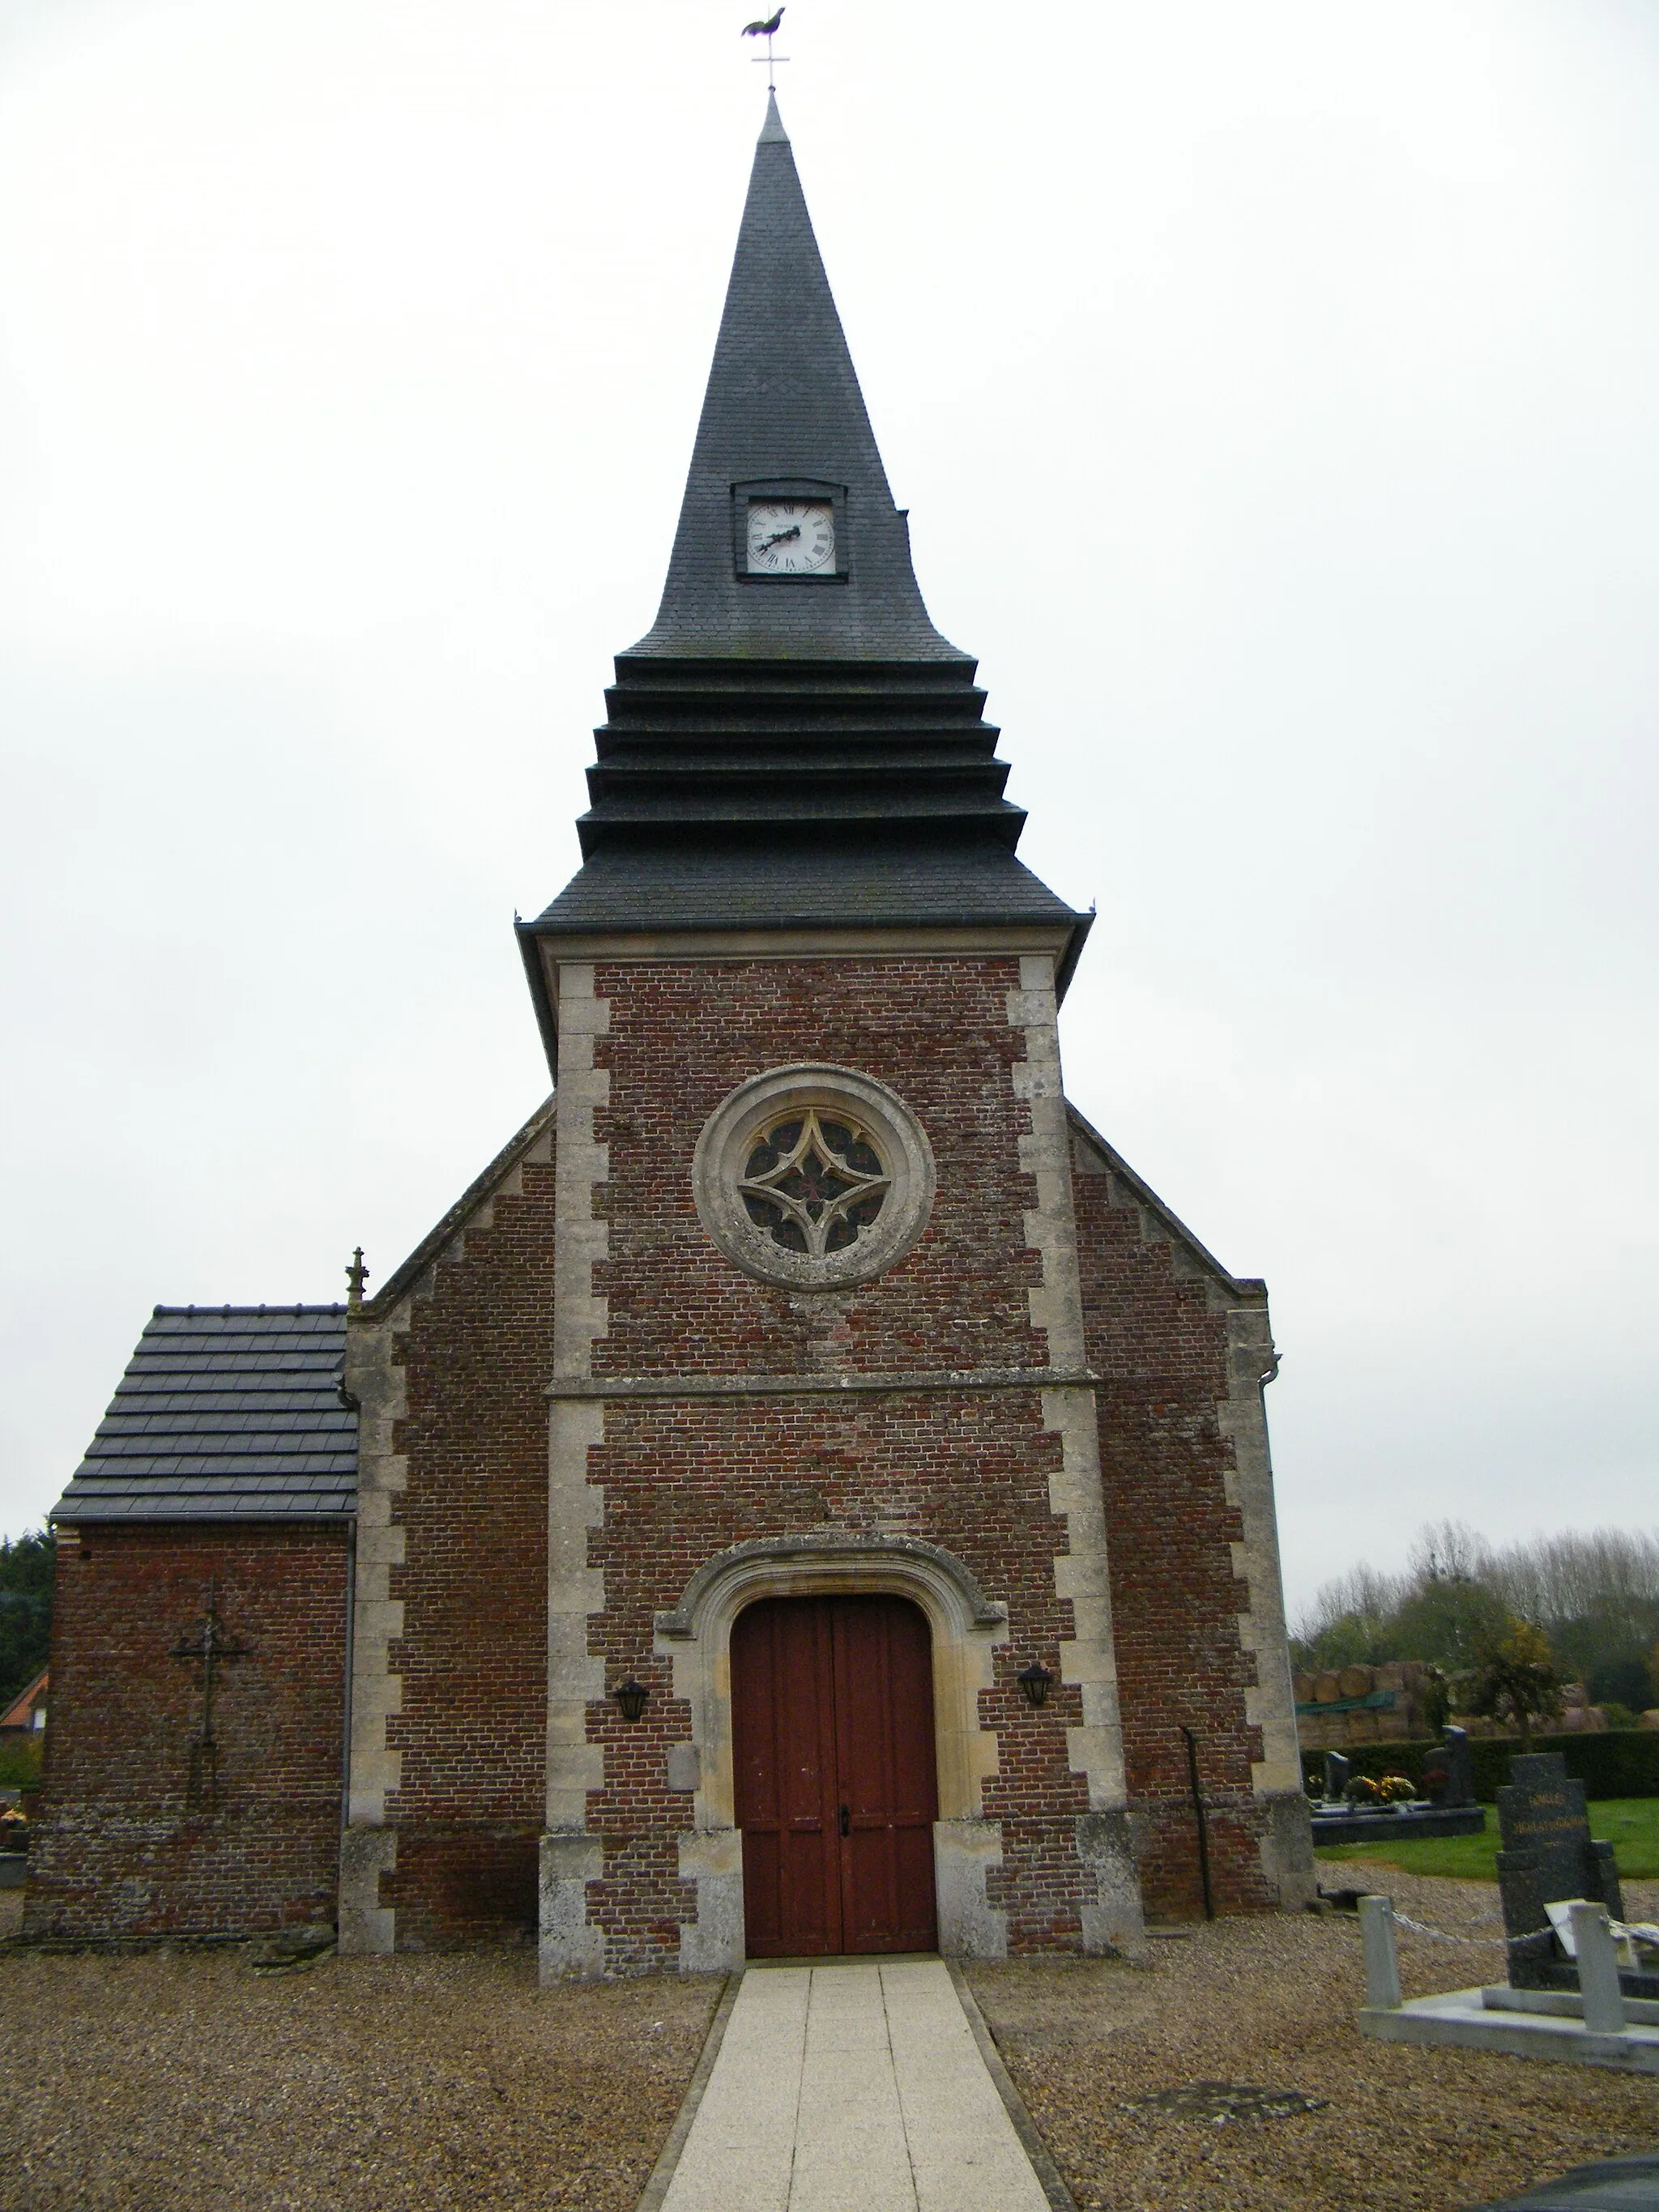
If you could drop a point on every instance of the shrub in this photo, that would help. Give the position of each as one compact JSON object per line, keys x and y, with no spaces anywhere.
{"x":1514,"y":1677}
{"x":1622,"y":1763}
{"x":20,"y":1763}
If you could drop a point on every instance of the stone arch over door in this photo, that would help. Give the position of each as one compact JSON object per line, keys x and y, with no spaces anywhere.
{"x":965,"y":1624}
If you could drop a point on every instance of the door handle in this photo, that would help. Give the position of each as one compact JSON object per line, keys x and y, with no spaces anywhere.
{"x":846,"y":1822}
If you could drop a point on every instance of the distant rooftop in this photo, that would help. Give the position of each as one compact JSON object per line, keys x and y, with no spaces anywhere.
{"x":225,"y":1413}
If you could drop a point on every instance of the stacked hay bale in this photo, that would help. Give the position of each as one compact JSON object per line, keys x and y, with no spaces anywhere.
{"x":1342,"y":1705}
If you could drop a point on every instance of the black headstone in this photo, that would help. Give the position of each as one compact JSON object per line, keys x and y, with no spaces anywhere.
{"x":1336,"y":1777}
{"x":1547,"y":1854}
{"x":1460,"y":1768}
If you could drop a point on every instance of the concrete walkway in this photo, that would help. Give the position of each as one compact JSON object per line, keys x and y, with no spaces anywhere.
{"x":852,"y":2088}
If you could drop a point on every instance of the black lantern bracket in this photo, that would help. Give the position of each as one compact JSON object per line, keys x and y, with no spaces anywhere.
{"x":1035,"y":1680}
{"x":631,"y":1697}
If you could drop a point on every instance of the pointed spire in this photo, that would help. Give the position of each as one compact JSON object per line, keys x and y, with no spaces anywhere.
{"x":783,"y":403}
{"x":790,"y":753}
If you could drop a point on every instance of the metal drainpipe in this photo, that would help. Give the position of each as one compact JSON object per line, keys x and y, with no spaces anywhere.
{"x":1203,"y":1826}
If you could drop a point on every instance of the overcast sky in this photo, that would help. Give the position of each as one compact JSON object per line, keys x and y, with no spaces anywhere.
{"x":1275,"y":392}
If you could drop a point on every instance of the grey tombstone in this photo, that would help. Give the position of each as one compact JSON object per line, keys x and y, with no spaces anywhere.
{"x":1547,"y":1854}
{"x":1460,"y":1768}
{"x":1336,"y":1777}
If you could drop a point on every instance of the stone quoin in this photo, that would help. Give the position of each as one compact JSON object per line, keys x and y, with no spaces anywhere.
{"x":807,"y":1289}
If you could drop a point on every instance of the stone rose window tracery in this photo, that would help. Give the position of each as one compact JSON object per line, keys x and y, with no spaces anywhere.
{"x":816,"y":1177}
{"x":814,"y":1183}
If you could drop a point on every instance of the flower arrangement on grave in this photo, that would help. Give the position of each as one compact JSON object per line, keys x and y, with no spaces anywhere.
{"x":1361,"y":1792}
{"x":1435,"y":1779}
{"x":1397,"y":1790}
{"x":14,"y":1830}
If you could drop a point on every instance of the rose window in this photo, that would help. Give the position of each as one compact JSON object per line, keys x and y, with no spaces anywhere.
{"x":814,"y":1181}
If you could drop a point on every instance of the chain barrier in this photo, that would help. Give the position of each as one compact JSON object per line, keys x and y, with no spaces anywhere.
{"x":1445,"y":1935}
{"x":1644,"y":1931}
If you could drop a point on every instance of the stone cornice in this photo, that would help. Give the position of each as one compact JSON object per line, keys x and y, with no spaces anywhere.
{"x":896,"y":1384}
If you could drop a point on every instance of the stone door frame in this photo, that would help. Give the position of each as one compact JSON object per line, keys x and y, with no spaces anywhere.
{"x":965,"y":1627}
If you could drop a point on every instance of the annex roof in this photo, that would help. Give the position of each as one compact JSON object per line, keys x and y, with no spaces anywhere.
{"x":225,"y":1413}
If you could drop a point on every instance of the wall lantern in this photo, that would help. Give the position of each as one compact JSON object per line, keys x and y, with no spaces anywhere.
{"x":1034,"y":1681}
{"x":631,"y":1696}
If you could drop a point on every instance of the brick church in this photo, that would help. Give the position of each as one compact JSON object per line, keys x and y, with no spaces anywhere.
{"x":808,"y":1495}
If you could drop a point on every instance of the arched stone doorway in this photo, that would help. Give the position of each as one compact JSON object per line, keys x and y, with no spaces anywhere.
{"x":834,"y":1767}
{"x":964,"y":1625}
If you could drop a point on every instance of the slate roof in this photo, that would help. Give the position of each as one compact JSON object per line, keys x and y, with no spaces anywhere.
{"x":884,"y":882}
{"x":225,"y":1412}
{"x":792,"y":752}
{"x":783,"y":400}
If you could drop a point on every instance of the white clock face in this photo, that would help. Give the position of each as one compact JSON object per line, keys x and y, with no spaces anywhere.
{"x":791,"y":537}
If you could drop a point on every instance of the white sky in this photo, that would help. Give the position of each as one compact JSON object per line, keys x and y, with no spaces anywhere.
{"x":1274,"y":392}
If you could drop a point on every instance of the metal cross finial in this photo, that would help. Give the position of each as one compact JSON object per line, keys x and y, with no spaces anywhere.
{"x":209,"y":1647}
{"x":767,"y":27}
{"x":356,"y":1276}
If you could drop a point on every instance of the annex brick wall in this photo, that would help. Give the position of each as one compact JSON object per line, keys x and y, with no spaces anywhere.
{"x":478,"y":1355}
{"x":685,"y":1478}
{"x":1161,"y":1349}
{"x":124,"y":1849}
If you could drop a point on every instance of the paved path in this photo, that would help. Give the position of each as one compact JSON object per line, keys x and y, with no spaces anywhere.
{"x":852,"y":2088}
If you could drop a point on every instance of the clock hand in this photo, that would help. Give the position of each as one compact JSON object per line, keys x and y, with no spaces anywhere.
{"x":781,"y":537}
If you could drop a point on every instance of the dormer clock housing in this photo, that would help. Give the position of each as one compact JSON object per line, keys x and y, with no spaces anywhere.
{"x":789,"y":529}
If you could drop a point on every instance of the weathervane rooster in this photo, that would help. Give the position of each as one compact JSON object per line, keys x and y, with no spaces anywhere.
{"x":765,"y":26}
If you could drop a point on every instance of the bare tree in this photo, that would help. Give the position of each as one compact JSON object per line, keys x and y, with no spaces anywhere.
{"x":1595,"y":1594}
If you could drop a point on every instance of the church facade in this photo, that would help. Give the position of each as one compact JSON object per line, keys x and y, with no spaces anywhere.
{"x":808,"y":1495}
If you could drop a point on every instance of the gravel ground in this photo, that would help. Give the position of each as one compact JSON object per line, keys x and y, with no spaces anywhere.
{"x":1270,"y":2002}
{"x":186,"y":2081}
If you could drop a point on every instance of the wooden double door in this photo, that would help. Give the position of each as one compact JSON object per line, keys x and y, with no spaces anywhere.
{"x":832,"y":1718}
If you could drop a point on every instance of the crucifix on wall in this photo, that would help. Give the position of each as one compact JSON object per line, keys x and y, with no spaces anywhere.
{"x":211,"y":1647}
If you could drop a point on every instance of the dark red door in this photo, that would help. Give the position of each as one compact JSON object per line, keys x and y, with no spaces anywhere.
{"x":832,"y":1715}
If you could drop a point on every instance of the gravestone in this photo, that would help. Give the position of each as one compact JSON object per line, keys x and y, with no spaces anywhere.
{"x":1547,"y":1854}
{"x":1336,"y":1777}
{"x":1460,"y":1768}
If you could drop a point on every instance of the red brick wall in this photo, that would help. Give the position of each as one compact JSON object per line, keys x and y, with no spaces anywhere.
{"x":967,"y":1472}
{"x":682,"y":1036}
{"x":684,"y":1479}
{"x":478,"y":1355}
{"x":1162,"y":1353}
{"x":121,"y":1850}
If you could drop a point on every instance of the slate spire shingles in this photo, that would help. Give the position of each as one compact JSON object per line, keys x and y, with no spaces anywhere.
{"x":804,"y":754}
{"x":783,"y":400}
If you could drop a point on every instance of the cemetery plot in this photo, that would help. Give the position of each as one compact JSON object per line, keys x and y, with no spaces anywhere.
{"x":1631,"y":1825}
{"x":1549,"y":1855}
{"x":1218,"y":2103}
{"x":1115,"y":2063}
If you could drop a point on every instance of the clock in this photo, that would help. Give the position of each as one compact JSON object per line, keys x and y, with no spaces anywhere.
{"x":790,"y":538}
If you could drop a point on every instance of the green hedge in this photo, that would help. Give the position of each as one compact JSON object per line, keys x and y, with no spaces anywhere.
{"x":20,"y":1762}
{"x":1621,"y":1763}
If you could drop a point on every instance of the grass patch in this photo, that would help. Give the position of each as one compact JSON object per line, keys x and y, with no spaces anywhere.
{"x":1631,"y":1825}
